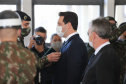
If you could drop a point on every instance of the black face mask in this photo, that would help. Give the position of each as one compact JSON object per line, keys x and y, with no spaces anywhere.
{"x":25,"y":31}
{"x":39,"y":40}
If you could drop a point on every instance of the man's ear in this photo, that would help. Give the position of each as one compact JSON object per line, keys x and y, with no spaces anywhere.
{"x":68,"y":25}
{"x":94,"y":35}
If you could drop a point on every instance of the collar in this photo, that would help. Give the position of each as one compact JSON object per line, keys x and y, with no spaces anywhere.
{"x":100,"y":47}
{"x":70,"y":36}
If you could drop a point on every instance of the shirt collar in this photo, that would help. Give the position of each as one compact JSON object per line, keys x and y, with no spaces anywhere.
{"x":70,"y":36}
{"x":100,"y":47}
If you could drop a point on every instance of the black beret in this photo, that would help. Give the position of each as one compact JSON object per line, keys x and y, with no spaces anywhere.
{"x":24,"y":16}
{"x":110,"y":18}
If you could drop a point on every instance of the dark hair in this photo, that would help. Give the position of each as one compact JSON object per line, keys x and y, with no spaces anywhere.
{"x":53,"y":35}
{"x":40,"y":29}
{"x":70,"y":17}
{"x":102,"y":27}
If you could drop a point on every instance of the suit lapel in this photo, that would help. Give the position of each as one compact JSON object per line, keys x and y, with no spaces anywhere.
{"x":96,"y":56}
{"x":99,"y":53}
{"x":64,"y":44}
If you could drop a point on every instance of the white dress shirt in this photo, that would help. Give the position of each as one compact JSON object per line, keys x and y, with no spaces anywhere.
{"x":100,"y":47}
{"x":70,"y":36}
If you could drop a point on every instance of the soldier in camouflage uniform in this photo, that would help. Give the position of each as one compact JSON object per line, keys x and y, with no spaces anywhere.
{"x":112,"y":22}
{"x":17,"y":64}
{"x":120,"y":47}
{"x":25,"y":26}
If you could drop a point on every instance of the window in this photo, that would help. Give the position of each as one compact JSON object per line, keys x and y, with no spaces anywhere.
{"x":120,"y":14}
{"x":47,"y":17}
{"x":7,"y":7}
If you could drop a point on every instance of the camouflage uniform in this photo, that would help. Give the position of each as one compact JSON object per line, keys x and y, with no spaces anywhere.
{"x":120,"y":48}
{"x":17,"y":64}
{"x":21,"y":41}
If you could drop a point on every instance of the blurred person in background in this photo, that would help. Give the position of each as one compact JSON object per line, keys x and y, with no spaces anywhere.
{"x":37,"y":45}
{"x":56,"y":42}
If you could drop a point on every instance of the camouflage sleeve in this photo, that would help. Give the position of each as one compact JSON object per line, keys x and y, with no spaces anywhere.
{"x":43,"y":61}
{"x":116,"y":33}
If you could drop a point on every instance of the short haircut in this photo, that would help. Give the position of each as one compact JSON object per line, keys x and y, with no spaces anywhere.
{"x":40,"y":29}
{"x":70,"y":17}
{"x":53,"y":35}
{"x":102,"y":27}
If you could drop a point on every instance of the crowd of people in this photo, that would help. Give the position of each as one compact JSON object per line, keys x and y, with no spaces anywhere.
{"x":100,"y":61}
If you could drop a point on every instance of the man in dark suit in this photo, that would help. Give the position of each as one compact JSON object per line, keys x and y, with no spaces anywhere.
{"x":103,"y":66}
{"x":69,"y":69}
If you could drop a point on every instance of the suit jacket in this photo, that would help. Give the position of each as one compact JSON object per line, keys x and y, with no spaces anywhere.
{"x":72,"y":63}
{"x":104,"y":68}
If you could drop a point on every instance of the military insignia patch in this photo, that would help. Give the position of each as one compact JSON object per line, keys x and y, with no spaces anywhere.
{"x":25,"y":17}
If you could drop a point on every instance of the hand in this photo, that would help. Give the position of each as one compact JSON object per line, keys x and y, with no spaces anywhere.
{"x":54,"y":57}
{"x":31,"y":43}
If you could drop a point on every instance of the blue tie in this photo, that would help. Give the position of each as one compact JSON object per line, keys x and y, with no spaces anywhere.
{"x":62,"y":45}
{"x":91,"y":58}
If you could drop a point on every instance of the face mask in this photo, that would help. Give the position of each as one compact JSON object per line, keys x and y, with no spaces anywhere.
{"x":91,"y":44}
{"x":59,"y":31}
{"x":56,"y":45}
{"x":25,"y":31}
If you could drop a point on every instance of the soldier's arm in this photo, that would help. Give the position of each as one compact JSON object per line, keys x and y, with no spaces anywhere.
{"x":43,"y":61}
{"x":53,"y":57}
{"x":116,"y":33}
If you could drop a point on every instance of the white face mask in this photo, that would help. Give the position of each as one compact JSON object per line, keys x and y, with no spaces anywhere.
{"x":91,"y":44}
{"x":59,"y":31}
{"x":56,"y":45}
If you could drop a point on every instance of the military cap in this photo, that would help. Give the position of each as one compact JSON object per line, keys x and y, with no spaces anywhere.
{"x":124,"y":23}
{"x":110,"y":18}
{"x":24,"y":16}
